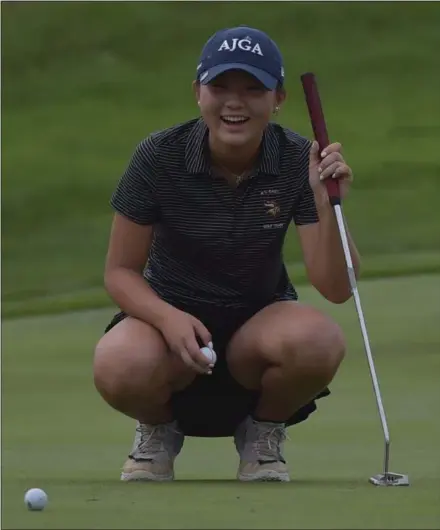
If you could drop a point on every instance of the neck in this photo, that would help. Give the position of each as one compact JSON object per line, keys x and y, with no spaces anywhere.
{"x":233,"y":159}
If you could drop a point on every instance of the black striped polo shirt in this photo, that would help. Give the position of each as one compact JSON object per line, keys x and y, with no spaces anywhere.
{"x":214,"y":244}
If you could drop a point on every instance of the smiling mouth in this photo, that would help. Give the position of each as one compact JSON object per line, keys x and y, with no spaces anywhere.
{"x":234,"y":120}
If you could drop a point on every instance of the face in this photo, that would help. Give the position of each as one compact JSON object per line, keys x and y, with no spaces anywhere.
{"x":236,"y":107}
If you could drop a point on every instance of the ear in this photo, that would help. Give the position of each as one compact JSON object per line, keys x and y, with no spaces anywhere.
{"x":280,"y":96}
{"x":196,"y":90}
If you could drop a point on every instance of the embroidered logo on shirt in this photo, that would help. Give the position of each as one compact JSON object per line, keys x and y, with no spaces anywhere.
{"x":272,"y":208}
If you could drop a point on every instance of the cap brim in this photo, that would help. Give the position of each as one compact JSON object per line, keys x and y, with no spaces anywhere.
{"x":268,"y":80}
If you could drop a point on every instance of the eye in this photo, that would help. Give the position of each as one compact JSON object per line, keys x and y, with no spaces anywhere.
{"x":257,"y":89}
{"x":217,"y":86}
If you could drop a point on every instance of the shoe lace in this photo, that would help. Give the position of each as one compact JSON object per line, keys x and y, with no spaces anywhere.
{"x":156,"y":438}
{"x":268,"y":442}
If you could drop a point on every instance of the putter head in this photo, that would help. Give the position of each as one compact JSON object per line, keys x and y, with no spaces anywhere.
{"x":390,"y":479}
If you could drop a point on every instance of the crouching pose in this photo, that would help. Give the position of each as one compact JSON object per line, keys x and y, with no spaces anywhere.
{"x":195,"y":260}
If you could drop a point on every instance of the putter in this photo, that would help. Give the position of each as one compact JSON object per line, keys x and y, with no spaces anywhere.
{"x":316,"y":114}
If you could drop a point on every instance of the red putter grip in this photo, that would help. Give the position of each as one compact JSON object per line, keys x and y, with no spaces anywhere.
{"x":319,"y":128}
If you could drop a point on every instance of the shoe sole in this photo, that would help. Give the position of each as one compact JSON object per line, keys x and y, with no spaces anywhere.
{"x":264,"y":476}
{"x":144,"y":476}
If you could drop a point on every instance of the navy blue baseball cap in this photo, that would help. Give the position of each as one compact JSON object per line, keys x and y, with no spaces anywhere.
{"x":242,"y":48}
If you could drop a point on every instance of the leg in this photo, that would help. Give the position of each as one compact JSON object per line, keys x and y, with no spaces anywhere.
{"x":289,"y":353}
{"x":136,"y":374}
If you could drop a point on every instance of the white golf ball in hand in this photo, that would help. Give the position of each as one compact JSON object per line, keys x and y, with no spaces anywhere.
{"x":209,"y":353}
{"x":35,"y":499}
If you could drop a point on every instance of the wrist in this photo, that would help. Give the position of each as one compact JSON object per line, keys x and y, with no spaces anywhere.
{"x":322,"y":201}
{"x":161,"y":314}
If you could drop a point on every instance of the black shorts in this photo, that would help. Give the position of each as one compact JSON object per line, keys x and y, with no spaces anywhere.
{"x":213,"y":406}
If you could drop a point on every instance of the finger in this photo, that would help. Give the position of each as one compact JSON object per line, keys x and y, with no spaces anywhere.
{"x":330,"y":159}
{"x":202,"y":332}
{"x":330,"y":171}
{"x":314,"y":149}
{"x":196,"y":355}
{"x":188,"y":360}
{"x":314,"y":157}
{"x":343,"y":172}
{"x":331,"y":149}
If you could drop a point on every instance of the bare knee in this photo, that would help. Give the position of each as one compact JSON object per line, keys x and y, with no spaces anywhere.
{"x":322,"y":344}
{"x":133,"y":361}
{"x":316,"y":347}
{"x":299,"y":338}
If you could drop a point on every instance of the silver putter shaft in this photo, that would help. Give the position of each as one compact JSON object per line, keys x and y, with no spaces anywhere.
{"x":386,"y":478}
{"x":317,"y":119}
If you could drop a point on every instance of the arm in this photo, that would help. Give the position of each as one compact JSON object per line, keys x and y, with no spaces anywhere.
{"x":318,"y":230}
{"x":324,"y":257}
{"x":137,"y":210}
{"x":128,"y":251}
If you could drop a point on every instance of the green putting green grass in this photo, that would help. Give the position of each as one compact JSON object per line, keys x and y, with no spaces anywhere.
{"x":60,"y":436}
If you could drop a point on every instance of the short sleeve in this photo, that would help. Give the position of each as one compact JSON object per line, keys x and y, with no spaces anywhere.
{"x":305,"y":212}
{"x":135,"y":196}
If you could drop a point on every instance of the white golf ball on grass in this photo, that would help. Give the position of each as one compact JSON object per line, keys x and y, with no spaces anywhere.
{"x":35,"y":499}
